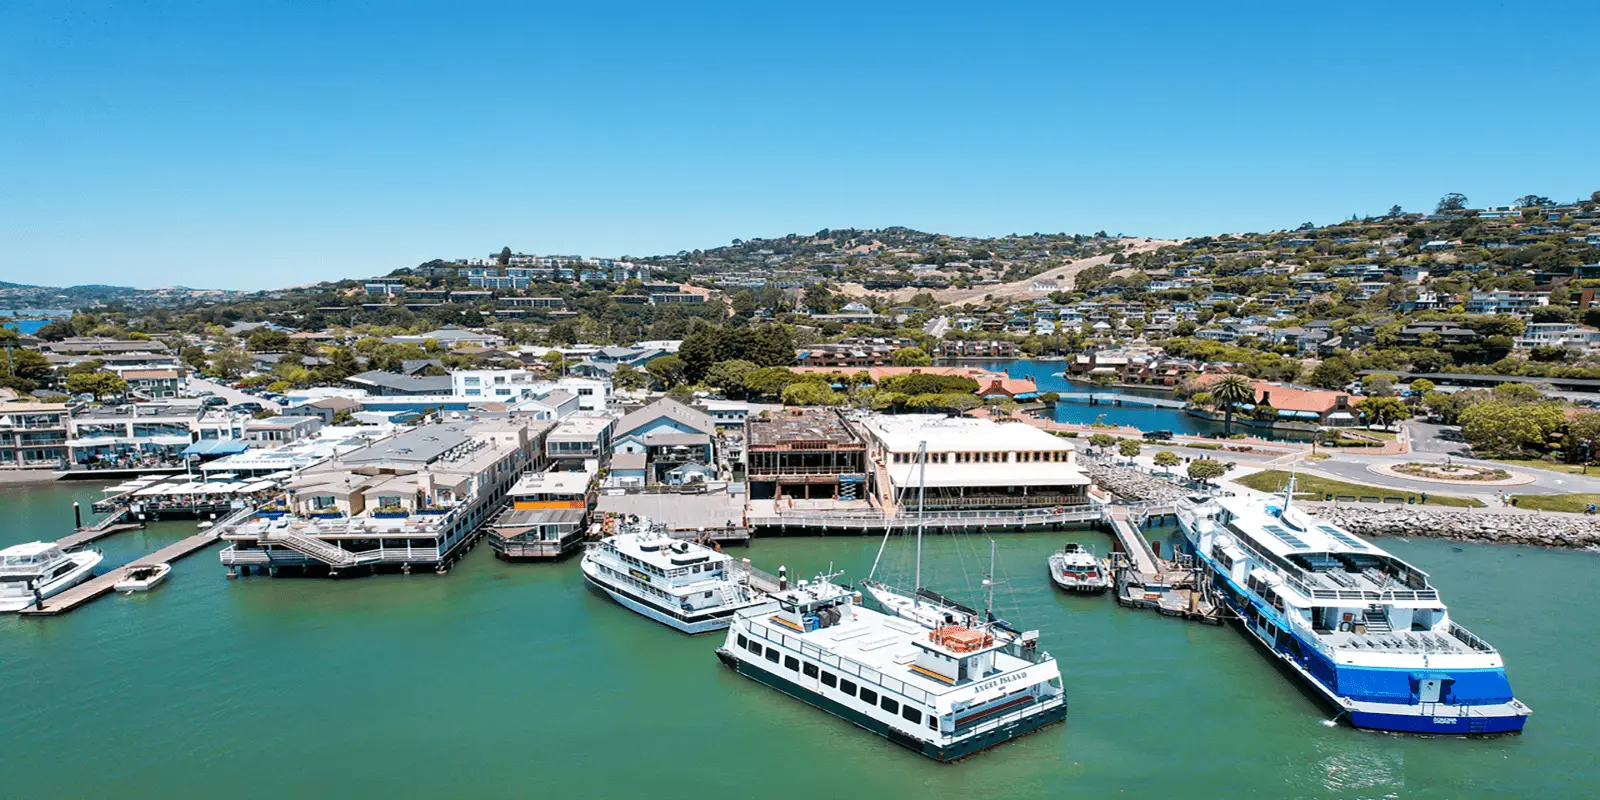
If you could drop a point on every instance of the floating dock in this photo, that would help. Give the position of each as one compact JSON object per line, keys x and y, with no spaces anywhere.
{"x":93,"y":588}
{"x":115,"y":523}
{"x":1143,"y":580}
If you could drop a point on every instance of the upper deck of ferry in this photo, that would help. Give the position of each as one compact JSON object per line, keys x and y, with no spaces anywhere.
{"x":675,"y":561}
{"x":1320,"y":560}
{"x":886,"y":645}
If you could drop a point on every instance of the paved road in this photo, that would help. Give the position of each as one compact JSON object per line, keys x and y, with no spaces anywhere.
{"x":233,"y":396}
{"x":1354,"y":468}
{"x":1429,"y":439}
{"x":937,"y":327}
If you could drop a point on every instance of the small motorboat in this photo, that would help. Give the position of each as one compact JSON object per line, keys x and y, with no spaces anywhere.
{"x":1076,"y":569}
{"x":204,"y":525}
{"x":143,"y":579}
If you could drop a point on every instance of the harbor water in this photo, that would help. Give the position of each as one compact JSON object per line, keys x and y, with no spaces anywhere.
{"x":513,"y":680}
{"x":1047,"y":376}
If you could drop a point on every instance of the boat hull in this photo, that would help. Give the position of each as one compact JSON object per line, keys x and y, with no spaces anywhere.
{"x":954,"y":752}
{"x":1445,"y":720}
{"x":708,"y":622}
{"x":84,"y":570}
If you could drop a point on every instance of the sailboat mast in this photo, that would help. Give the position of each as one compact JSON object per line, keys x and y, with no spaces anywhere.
{"x":988,"y":611}
{"x":922,"y":483}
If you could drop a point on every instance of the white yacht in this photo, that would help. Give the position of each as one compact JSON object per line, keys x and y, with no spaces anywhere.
{"x":678,"y":583}
{"x":34,"y":571}
{"x":1076,"y":569}
{"x":1363,"y":628}
{"x":946,"y":692}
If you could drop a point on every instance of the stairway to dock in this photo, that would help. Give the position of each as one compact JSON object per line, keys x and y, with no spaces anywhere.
{"x":111,"y":524}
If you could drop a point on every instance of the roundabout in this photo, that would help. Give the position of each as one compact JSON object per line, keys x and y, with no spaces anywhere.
{"x":1449,"y":472}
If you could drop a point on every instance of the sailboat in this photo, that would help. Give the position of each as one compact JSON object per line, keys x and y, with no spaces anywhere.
{"x":924,"y":606}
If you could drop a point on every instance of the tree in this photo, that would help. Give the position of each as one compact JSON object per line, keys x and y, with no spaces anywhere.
{"x":1394,"y":210}
{"x":911,"y":357}
{"x":1166,"y":459}
{"x":1128,"y":448}
{"x":667,"y":369}
{"x":629,"y":377}
{"x":99,"y":384}
{"x":1501,"y":428}
{"x":230,"y":362}
{"x":1422,"y":386}
{"x":1206,"y":469}
{"x":811,"y":393}
{"x":1517,"y":393}
{"x":504,"y":256}
{"x":1452,"y":202}
{"x":267,"y":340}
{"x":23,"y":370}
{"x":1583,"y":438}
{"x":1385,"y":411}
{"x":1332,"y":373}
{"x":1102,"y":441}
{"x":1230,"y":392}
{"x":1378,"y":385}
{"x":728,"y":376}
{"x":769,"y":380}
{"x":1201,"y":399}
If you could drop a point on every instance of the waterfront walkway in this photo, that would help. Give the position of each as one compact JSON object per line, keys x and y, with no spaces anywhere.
{"x":1114,"y":399}
{"x":875,"y":521}
{"x":1131,"y":540}
{"x":95,"y":587}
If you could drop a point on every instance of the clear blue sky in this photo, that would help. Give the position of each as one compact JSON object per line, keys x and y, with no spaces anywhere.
{"x":273,"y":142}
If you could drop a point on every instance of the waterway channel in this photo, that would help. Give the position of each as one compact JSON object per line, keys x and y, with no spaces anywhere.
{"x":506,"y":680}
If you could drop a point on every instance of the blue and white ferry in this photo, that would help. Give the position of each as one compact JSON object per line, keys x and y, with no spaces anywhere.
{"x":681,"y":584}
{"x":1361,"y":627}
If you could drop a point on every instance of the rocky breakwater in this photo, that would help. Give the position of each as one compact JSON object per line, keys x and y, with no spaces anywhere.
{"x":1542,"y":530}
{"x":1131,"y":484}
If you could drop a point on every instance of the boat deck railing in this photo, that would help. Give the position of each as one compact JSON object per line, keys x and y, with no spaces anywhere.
{"x":845,"y":665}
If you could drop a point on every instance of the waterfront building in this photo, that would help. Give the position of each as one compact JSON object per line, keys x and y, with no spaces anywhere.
{"x":146,"y":434}
{"x":805,"y":452}
{"x":281,"y":429}
{"x":976,"y":348}
{"x":33,"y":434}
{"x":580,"y":442}
{"x":547,"y":516}
{"x":412,"y":500}
{"x":670,"y":435}
{"x":971,"y":463}
{"x":285,"y":460}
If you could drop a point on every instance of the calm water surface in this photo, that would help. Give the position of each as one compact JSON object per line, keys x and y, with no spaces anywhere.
{"x":504,"y":680}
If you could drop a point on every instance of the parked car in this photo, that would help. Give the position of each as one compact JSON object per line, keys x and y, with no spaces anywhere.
{"x":1158,"y":436}
{"x":250,"y":407}
{"x":214,"y":400}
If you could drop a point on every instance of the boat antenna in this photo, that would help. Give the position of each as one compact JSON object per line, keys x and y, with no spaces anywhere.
{"x":988,"y":582}
{"x":1288,"y":489}
{"x":922,"y":483}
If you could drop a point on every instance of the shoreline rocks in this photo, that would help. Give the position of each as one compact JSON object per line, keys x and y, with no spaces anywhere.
{"x":1131,"y":484}
{"x":1538,"y":530}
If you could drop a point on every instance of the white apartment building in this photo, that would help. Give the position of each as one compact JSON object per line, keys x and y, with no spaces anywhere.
{"x":1558,"y":334}
{"x":1519,"y":304}
{"x":514,"y":386}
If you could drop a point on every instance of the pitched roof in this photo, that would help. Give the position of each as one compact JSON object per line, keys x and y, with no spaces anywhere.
{"x":672,"y":409}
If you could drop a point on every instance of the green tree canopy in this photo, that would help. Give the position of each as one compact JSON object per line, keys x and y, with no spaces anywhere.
{"x":1206,"y":469}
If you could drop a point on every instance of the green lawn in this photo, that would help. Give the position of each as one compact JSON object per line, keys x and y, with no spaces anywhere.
{"x":1573,"y":469}
{"x":1575,"y":503}
{"x":1314,"y":487}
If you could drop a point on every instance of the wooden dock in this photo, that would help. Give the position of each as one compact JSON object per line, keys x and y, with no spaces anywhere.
{"x":97,"y":586}
{"x":99,"y":530}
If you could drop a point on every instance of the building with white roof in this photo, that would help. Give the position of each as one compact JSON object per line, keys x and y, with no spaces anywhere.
{"x":970,"y":463}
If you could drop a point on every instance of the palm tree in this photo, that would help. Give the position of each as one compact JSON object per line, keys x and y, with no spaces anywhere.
{"x":1230,"y":392}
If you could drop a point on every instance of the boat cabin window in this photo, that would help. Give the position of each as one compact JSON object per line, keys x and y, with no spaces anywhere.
{"x":868,"y":696}
{"x":847,"y":686}
{"x":809,"y":670}
{"x":791,"y":663}
{"x":889,"y":705}
{"x":743,"y":642}
{"x":933,"y":722}
{"x":829,"y":679}
{"x":772,"y":654}
{"x":911,"y":714}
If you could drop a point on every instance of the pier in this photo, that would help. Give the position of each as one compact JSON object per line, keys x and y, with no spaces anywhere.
{"x":874,"y":521}
{"x":114,"y":523}
{"x":1114,"y":399}
{"x":99,"y":585}
{"x":1143,"y":580}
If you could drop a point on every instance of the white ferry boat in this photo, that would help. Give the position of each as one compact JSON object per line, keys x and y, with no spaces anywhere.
{"x":1076,"y":569}
{"x":34,"y":571}
{"x":1364,"y":629}
{"x":679,"y":583}
{"x":945,"y":692}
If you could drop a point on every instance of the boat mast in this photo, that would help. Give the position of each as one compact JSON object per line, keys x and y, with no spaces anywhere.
{"x":922,"y":482}
{"x":988,"y":581}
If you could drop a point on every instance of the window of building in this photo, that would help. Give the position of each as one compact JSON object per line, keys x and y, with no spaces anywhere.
{"x":847,"y":686}
{"x":772,"y":654}
{"x":890,"y":705}
{"x":791,"y":663}
{"x":911,"y":714}
{"x":829,"y":679}
{"x":868,"y":696}
{"x":809,"y":670}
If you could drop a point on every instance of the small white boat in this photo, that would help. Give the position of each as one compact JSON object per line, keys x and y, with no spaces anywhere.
{"x":208,"y":523}
{"x":143,"y":579}
{"x":1076,"y":569}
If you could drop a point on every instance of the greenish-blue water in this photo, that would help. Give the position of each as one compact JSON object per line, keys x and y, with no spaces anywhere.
{"x":502,"y":680}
